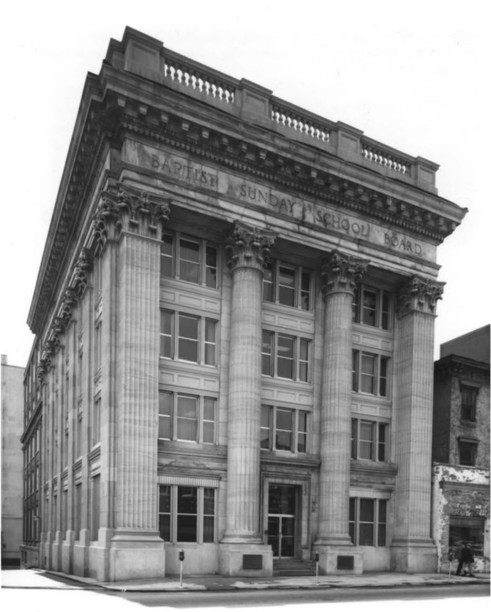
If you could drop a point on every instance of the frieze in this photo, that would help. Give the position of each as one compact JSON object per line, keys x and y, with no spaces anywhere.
{"x":321,"y":216}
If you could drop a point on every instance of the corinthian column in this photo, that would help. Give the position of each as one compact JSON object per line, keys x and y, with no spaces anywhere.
{"x":247,"y":247}
{"x":341,"y":273}
{"x":412,"y":547}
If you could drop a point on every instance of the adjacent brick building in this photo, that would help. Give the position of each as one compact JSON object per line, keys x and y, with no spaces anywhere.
{"x":234,"y":321}
{"x":461,"y":447}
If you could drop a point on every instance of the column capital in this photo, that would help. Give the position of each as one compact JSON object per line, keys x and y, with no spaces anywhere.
{"x":419,"y":294}
{"x":249,"y":246}
{"x":341,"y":273}
{"x":124,"y":208}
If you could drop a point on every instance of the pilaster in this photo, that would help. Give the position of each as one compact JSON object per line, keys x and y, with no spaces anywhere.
{"x":340,"y":275}
{"x":126,"y":234}
{"x":412,"y":547}
{"x":248,"y":246}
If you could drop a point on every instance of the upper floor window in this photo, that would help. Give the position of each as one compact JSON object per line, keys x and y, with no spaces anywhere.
{"x":287,"y":285}
{"x":285,"y":356}
{"x":368,"y":521}
{"x":370,"y":373}
{"x":189,"y":259}
{"x":467,"y":452}
{"x":372,"y":307}
{"x":186,"y":417}
{"x":468,"y":396}
{"x":369,"y":440}
{"x":188,"y":337}
{"x":284,"y":429}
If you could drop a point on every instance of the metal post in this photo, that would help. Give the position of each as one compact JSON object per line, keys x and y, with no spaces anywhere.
{"x":181,"y":564}
{"x":317,"y":568}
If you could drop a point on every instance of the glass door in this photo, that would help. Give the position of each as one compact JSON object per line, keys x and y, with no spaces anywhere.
{"x":281,"y":520}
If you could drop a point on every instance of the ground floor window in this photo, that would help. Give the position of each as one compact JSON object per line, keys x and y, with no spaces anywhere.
{"x":186,"y":514}
{"x":467,"y":529}
{"x":368,"y":521}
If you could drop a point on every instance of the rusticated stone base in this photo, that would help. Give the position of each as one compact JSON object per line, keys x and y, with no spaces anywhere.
{"x":414,"y":557}
{"x":245,"y":560}
{"x":133,"y":555}
{"x":345,"y":560}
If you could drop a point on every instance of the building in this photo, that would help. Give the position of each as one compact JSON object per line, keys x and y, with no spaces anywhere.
{"x":234,"y":322}
{"x":461,"y":447}
{"x":11,"y":378}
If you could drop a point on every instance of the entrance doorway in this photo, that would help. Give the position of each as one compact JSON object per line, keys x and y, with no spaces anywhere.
{"x":282,"y":503}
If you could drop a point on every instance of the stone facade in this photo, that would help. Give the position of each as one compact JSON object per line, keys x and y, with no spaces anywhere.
{"x":12,"y":394}
{"x":461,"y":448}
{"x":234,"y":326}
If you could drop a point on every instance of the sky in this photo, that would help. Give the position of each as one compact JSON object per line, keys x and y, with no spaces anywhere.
{"x":413,"y":75}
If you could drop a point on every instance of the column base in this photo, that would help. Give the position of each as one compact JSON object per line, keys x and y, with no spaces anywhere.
{"x":339,"y":559}
{"x":413,"y":556}
{"x":135,"y":554}
{"x":245,"y":559}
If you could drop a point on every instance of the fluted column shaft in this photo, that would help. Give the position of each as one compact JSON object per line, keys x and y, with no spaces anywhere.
{"x":340,"y":273}
{"x":413,"y":405}
{"x":247,"y":247}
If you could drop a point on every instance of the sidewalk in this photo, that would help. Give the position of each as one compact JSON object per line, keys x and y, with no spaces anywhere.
{"x":35,"y":578}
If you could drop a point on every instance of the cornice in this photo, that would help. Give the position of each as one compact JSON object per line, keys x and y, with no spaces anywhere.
{"x":108,"y":116}
{"x":289,"y":173}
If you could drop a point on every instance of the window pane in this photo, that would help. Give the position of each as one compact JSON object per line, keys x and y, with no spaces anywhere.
{"x":164,"y":527}
{"x":209,"y":501}
{"x":381,"y":441}
{"x":186,"y":407}
{"x":186,"y":528}
{"x":305,"y":291}
{"x":284,"y":419}
{"x":366,"y":534}
{"x":164,"y":498}
{"x":284,"y":429}
{"x":188,"y":327}
{"x":187,"y":500}
{"x":209,"y":409}
{"x":286,"y":286}
{"x":383,"y":376}
{"x":369,"y":307}
{"x":267,"y":353}
{"x":366,"y":510}
{"x":385,"y":323}
{"x":188,"y":350}
{"x":285,"y":356}
{"x":189,"y":261}
{"x":208,"y":529}
{"x":167,"y":256}
{"x":356,"y":366}
{"x":354,"y":438}
{"x":211,"y":267}
{"x":266,"y":412}
{"x":367,"y":373}
{"x":268,"y":293}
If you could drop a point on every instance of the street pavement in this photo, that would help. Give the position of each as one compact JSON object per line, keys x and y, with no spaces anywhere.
{"x":39,"y":579}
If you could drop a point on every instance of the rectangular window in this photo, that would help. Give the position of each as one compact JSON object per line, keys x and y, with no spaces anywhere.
{"x":287,"y":285}
{"x":95,"y":507}
{"x":96,"y":421}
{"x":98,"y":348}
{"x":467,"y":529}
{"x":188,"y":259}
{"x":187,"y":417}
{"x":187,"y":514}
{"x":188,"y":337}
{"x":284,"y":429}
{"x":285,"y":356}
{"x":370,"y":373}
{"x":467,"y":452}
{"x":468,"y":396}
{"x":78,"y":510}
{"x":368,"y":521}
{"x":372,"y":307}
{"x":368,"y":440}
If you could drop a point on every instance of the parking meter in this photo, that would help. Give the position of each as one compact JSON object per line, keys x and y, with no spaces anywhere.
{"x":181,"y":563}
